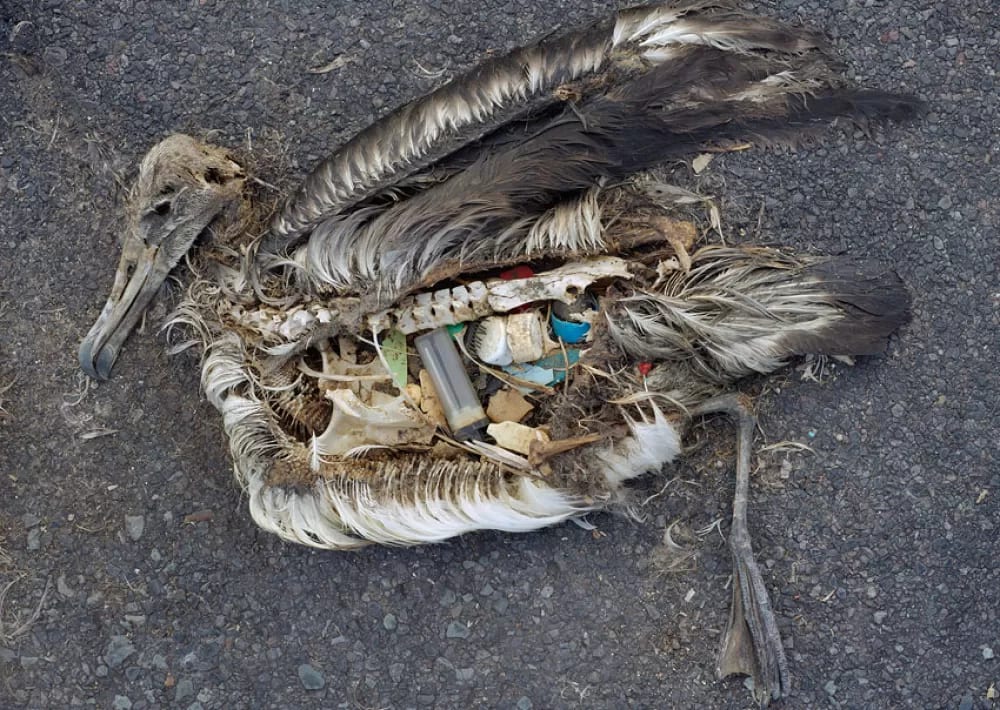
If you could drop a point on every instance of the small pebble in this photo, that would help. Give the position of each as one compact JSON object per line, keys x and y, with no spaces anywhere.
{"x":457,"y":630}
{"x":396,"y":672}
{"x":121,"y":703}
{"x":830,"y":688}
{"x":988,"y":653}
{"x":55,"y":56}
{"x":183,"y":690}
{"x":448,"y":598}
{"x":119,"y":648}
{"x":390,"y":622}
{"x":134,"y":526}
{"x":311,"y":678}
{"x":65,"y":591}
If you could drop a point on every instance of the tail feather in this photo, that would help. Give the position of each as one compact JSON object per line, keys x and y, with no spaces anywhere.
{"x":744,"y":311}
{"x":874,"y":303}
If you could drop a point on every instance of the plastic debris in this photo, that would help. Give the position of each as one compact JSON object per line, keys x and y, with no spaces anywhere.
{"x":394,"y":352}
{"x":508,"y":405}
{"x":568,"y":331}
{"x":518,"y":272}
{"x":516,"y":437}
{"x":429,"y":403}
{"x":491,"y":341}
{"x":532,"y":373}
{"x":524,"y":336}
{"x":450,"y":381}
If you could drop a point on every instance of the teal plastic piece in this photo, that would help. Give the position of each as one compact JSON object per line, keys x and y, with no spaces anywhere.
{"x":570,"y":331}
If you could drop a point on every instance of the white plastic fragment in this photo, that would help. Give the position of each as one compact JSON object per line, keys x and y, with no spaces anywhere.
{"x":524,"y":336}
{"x":516,"y":437}
{"x":491,"y":341}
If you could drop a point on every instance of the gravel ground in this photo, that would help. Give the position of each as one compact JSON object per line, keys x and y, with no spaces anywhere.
{"x":133,"y":555}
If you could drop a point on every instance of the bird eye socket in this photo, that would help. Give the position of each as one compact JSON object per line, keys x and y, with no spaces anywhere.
{"x":214,"y":176}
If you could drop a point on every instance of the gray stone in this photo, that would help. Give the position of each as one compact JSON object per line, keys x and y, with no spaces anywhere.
{"x":390,"y":622}
{"x":183,"y":690}
{"x":121,"y":702}
{"x":119,"y":648}
{"x":524,"y":703}
{"x":54,"y":56}
{"x":134,"y":526}
{"x":311,"y":678}
{"x":65,"y":591}
{"x":830,"y":688}
{"x":396,"y":672}
{"x":457,"y":630}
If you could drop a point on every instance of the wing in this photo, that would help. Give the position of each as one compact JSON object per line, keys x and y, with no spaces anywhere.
{"x":526,"y":82}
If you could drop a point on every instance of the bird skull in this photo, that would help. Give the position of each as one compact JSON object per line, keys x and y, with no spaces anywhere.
{"x":183,"y":186}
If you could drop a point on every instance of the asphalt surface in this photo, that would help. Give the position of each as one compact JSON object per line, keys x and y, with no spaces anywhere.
{"x":880,"y":548}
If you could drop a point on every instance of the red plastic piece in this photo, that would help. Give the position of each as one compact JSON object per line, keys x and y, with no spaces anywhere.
{"x":518,"y":272}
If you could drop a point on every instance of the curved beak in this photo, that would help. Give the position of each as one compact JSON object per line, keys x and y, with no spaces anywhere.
{"x":183,"y":186}
{"x":141,"y":271}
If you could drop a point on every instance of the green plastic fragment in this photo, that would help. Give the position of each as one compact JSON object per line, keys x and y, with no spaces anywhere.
{"x":394,"y":352}
{"x":455,"y":328}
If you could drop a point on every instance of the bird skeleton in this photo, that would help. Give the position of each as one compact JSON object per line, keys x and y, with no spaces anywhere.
{"x":315,"y":329}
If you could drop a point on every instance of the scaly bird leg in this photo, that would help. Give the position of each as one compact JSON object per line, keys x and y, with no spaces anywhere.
{"x":751,"y":644}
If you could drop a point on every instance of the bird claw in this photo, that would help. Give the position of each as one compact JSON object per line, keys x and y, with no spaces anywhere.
{"x":751,"y":644}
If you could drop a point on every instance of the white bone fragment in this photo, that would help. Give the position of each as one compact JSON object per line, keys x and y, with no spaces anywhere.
{"x":354,"y":424}
{"x":461,"y":304}
{"x":563,"y":284}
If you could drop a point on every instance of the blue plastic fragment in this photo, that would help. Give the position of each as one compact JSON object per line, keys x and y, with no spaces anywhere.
{"x":547,"y":371}
{"x":570,"y":331}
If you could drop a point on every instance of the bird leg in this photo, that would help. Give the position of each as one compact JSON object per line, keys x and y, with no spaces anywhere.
{"x":751,"y":644}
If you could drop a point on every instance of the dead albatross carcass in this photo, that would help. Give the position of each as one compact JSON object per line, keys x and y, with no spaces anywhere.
{"x":483,"y":313}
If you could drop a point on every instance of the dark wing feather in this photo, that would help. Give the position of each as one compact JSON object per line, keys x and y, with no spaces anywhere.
{"x":484,"y":210}
{"x":529,"y":80}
